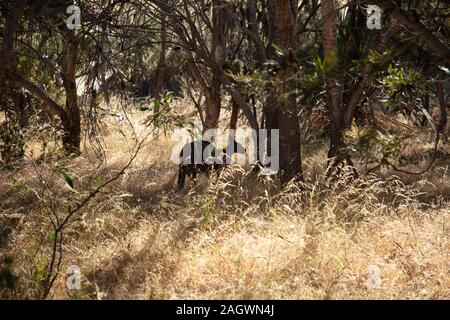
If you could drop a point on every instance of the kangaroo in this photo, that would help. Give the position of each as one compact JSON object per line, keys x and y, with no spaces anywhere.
{"x":204,"y":165}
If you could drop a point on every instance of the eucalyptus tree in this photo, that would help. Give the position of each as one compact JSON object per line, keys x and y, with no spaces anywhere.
{"x":58,"y":64}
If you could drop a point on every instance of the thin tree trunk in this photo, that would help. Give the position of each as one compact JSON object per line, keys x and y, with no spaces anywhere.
{"x":214,"y":98}
{"x":72,"y":125}
{"x":233,"y":122}
{"x":234,"y":115}
{"x":334,"y":89}
{"x":213,"y":104}
{"x":443,"y":104}
{"x":239,"y":100}
{"x":255,"y":36}
{"x":426,"y":106}
{"x":103,"y":81}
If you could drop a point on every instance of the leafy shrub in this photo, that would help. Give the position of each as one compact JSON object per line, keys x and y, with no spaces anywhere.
{"x":372,"y":145}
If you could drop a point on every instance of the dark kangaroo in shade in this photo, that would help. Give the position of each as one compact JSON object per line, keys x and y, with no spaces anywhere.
{"x":189,"y":167}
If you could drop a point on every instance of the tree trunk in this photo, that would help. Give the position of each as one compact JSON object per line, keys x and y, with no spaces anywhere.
{"x":22,"y":107}
{"x":426,"y":106}
{"x":443,"y":103}
{"x":284,"y":115}
{"x":103,"y":80}
{"x":213,"y":97}
{"x":72,"y":127}
{"x":234,"y":115}
{"x":239,"y":100}
{"x":213,"y":104}
{"x":233,"y":122}
{"x":260,"y":50}
{"x":334,"y":89}
{"x":69,"y":116}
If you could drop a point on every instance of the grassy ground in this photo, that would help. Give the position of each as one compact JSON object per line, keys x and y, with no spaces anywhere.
{"x":237,"y":238}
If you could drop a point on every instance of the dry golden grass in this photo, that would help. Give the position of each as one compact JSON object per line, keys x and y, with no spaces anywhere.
{"x":238,"y":238}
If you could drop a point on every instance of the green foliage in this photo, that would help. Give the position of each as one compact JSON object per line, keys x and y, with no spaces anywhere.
{"x":401,"y":83}
{"x":20,"y":185}
{"x":51,"y":151}
{"x":161,"y":109}
{"x":40,"y":272}
{"x":316,"y":75}
{"x":327,"y":65}
{"x":361,"y":139}
{"x":251,"y":80}
{"x":98,"y":181}
{"x":372,"y":145}
{"x":208,"y":208}
{"x":53,"y":236}
{"x":66,"y":176}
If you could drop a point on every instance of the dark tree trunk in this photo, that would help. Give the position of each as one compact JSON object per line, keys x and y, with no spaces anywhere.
{"x":104,"y":81}
{"x":283,"y":114}
{"x":334,"y":89}
{"x":70,"y":115}
{"x":260,"y":50}
{"x":426,"y":106}
{"x":72,"y":124}
{"x":22,"y":107}
{"x":213,"y":97}
{"x":213,"y":104}
{"x":234,"y":115}
{"x":443,"y":103}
